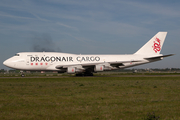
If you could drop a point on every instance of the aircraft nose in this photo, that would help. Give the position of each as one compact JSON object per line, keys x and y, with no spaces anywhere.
{"x":5,"y":63}
{"x":8,"y":63}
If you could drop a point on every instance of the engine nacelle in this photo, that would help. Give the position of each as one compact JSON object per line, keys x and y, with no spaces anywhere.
{"x":99,"y":68}
{"x":71,"y":70}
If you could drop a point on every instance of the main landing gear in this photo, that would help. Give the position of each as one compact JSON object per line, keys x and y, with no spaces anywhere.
{"x":85,"y":74}
{"x":22,"y":74}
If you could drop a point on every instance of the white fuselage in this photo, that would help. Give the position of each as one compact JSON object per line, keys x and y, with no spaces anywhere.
{"x":49,"y":60}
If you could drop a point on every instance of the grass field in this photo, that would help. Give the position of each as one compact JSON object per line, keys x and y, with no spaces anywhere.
{"x":90,"y":98}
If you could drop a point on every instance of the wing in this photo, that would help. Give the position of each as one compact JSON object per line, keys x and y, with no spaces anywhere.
{"x":92,"y":65}
{"x":103,"y":66}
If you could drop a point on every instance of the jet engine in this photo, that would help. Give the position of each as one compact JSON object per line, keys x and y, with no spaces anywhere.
{"x":71,"y":70}
{"x":102,"y":67}
{"x":99,"y":68}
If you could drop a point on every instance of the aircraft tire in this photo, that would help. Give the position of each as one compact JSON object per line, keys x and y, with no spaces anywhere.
{"x":22,"y":75}
{"x":79,"y":74}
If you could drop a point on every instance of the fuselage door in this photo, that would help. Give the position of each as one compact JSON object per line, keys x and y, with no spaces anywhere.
{"x":28,"y":59}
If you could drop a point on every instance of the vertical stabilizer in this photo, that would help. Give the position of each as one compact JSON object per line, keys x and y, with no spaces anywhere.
{"x":154,"y":45}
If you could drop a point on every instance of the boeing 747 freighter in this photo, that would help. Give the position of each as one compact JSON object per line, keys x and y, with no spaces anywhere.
{"x":87,"y":64}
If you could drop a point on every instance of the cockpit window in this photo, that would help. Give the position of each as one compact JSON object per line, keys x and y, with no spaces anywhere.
{"x":16,"y":54}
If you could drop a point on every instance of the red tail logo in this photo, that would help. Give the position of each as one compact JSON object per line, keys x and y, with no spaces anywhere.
{"x":157,"y":45}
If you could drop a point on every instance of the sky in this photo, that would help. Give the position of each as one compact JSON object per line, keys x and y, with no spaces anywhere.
{"x":89,"y":27}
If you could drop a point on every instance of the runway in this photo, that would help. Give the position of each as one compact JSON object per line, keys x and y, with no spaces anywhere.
{"x":96,"y":76}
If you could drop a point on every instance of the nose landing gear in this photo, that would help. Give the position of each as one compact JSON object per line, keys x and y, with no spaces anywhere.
{"x":22,"y":73}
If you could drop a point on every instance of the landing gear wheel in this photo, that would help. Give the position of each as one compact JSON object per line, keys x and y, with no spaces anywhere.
{"x":85,"y":74}
{"x":80,"y":74}
{"x":22,"y":75}
{"x":91,"y":74}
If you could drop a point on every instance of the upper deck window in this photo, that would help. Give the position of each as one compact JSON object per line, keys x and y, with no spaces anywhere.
{"x":17,"y":55}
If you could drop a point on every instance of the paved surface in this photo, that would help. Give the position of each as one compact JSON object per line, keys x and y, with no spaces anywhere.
{"x":96,"y":76}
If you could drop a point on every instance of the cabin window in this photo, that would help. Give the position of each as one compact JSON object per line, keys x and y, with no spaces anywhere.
{"x":17,"y":55}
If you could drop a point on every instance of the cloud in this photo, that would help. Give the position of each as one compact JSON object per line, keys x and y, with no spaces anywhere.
{"x":39,"y":18}
{"x":150,"y":7}
{"x":3,"y":14}
{"x":67,"y":26}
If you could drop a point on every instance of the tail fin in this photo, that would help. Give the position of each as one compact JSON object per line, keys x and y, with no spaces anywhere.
{"x":154,"y":45}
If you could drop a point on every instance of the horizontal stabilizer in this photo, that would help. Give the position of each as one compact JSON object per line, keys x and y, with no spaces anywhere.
{"x":158,"y":57}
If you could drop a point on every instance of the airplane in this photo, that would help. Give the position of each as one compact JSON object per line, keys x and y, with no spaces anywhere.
{"x":87,"y":64}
